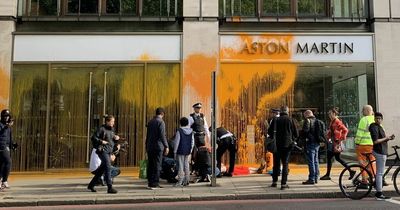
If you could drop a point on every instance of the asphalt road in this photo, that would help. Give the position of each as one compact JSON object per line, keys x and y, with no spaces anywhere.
{"x":289,"y":204}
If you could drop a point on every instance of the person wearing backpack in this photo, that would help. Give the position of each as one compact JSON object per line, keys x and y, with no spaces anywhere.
{"x":337,"y":132}
{"x":311,"y":131}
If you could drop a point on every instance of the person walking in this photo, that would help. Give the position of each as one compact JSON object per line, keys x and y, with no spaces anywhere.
{"x":380,"y":151}
{"x":6,"y":142}
{"x":103,"y":142}
{"x":310,"y":132}
{"x":337,"y":133}
{"x":156,"y":146}
{"x":286,"y":133}
{"x":183,"y":146}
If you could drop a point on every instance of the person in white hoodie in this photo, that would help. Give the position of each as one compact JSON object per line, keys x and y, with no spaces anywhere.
{"x":183,"y":146}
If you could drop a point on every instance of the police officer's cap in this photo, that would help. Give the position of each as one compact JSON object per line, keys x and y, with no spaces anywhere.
{"x":5,"y":113}
{"x":197,"y":105}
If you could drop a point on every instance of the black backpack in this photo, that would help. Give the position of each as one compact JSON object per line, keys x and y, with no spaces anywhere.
{"x":319,"y":131}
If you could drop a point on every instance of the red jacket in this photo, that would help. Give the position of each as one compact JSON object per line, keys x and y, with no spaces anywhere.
{"x":339,"y":130}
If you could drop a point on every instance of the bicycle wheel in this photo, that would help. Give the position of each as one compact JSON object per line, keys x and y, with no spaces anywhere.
{"x":396,"y":180}
{"x":351,"y":184}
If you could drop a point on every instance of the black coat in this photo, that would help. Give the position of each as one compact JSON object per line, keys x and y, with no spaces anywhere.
{"x":105,"y":133}
{"x":286,"y":131}
{"x":156,"y":139}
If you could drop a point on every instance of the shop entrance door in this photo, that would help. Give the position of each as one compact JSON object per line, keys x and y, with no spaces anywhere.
{"x":80,"y":96}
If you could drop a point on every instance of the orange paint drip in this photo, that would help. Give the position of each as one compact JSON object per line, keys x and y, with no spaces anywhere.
{"x":146,"y":57}
{"x":4,"y":91}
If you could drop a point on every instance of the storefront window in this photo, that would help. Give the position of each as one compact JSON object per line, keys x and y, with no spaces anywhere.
{"x":28,"y":106}
{"x":247,"y":92}
{"x":312,"y":7}
{"x":80,"y":95}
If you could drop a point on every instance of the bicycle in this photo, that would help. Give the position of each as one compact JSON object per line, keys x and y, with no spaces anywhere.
{"x":354,"y":186}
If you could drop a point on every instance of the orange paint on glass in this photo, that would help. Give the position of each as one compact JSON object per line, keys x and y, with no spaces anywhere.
{"x":4,"y":90}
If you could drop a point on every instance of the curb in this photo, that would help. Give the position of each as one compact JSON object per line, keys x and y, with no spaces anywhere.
{"x":150,"y":199}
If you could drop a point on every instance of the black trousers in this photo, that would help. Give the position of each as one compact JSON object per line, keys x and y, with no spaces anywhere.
{"x":154,"y":167}
{"x":5,"y":164}
{"x":104,"y":168}
{"x":227,"y":144}
{"x":281,"y":156}
{"x":330,"y":155}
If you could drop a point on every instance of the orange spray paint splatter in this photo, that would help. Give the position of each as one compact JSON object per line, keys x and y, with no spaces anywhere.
{"x":4,"y":90}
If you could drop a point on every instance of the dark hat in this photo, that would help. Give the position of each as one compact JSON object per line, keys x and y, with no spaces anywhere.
{"x":5,"y":113}
{"x":197,"y":105}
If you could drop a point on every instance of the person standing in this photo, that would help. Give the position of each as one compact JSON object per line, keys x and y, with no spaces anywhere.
{"x":380,"y":151}
{"x":337,"y":132}
{"x":364,"y":142}
{"x":156,"y":146}
{"x":226,"y":141}
{"x":6,"y":143}
{"x":286,"y":133}
{"x":103,"y":141}
{"x":183,"y":146}
{"x":312,"y":146}
{"x":198,"y":123}
{"x":268,"y":155}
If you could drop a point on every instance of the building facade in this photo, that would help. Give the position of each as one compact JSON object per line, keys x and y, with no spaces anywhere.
{"x":64,"y":64}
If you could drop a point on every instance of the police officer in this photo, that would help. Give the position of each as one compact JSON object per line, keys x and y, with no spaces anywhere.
{"x":226,"y":141}
{"x":198,"y":123}
{"x":5,"y":143}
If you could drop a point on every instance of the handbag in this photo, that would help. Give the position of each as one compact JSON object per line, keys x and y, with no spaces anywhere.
{"x":270,"y":143}
{"x":338,"y":146}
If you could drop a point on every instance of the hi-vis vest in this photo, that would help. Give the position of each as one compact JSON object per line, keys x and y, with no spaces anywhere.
{"x":363,"y":137}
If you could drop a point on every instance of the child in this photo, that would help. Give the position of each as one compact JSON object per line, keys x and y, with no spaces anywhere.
{"x":184,"y":142}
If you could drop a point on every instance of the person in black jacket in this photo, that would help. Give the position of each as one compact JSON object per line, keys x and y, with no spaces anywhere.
{"x":226,"y":141}
{"x":103,"y":142}
{"x":286,"y":133}
{"x":156,"y":145}
{"x":5,"y":144}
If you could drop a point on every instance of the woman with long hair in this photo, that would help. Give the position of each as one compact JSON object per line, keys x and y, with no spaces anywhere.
{"x":337,"y":132}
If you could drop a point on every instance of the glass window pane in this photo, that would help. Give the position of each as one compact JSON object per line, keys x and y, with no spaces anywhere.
{"x":129,"y":7}
{"x":112,"y":6}
{"x":47,"y":7}
{"x":73,"y":6}
{"x":248,"y":7}
{"x":277,"y":7}
{"x":306,"y":7}
{"x":34,"y":7}
{"x":89,"y":6}
{"x":151,"y":8}
{"x":163,"y":89}
{"x":28,"y":106}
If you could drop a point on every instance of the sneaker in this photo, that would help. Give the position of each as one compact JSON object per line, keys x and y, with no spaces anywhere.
{"x":5,"y":185}
{"x":308,"y":182}
{"x":208,"y":178}
{"x":228,"y":174}
{"x":178,"y":184}
{"x":284,"y":187}
{"x":381,"y":197}
{"x":326,"y":177}
{"x":352,"y":173}
{"x":274,"y":184}
{"x":91,"y":188}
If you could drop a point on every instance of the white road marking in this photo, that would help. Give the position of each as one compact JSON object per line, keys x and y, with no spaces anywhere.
{"x":393,"y":201}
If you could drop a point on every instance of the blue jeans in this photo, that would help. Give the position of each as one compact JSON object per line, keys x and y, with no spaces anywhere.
{"x":380,"y":169}
{"x":313,"y":163}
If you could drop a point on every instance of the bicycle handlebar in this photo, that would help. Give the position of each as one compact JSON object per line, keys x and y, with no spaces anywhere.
{"x":395,"y":147}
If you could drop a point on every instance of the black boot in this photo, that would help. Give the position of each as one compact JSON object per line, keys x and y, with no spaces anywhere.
{"x":91,"y":188}
{"x":111,"y":190}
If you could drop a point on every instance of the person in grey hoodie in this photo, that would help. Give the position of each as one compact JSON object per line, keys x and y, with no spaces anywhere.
{"x":184,"y":142}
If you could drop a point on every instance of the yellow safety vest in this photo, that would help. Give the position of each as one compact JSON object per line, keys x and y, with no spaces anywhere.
{"x":363,"y":137}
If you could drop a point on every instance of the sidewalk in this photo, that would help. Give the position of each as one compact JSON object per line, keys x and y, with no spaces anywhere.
{"x":70,"y":189}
